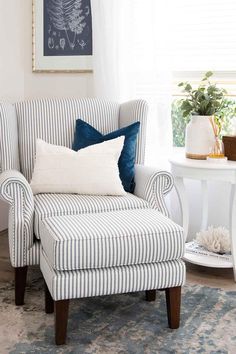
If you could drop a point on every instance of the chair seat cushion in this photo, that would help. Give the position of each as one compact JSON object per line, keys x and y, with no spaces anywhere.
{"x":47,"y":205}
{"x":102,"y":240}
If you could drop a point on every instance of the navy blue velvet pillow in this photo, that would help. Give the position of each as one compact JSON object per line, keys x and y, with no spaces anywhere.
{"x":86,"y":135}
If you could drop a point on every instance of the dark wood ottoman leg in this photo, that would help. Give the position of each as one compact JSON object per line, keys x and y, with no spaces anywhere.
{"x":61,"y":319}
{"x":49,"y":303}
{"x":173,"y":301}
{"x":150,"y":295}
{"x":20,"y":283}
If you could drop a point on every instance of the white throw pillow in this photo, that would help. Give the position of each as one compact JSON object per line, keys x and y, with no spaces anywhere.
{"x":92,"y":171}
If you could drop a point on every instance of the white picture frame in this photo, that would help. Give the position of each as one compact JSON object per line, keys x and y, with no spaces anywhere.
{"x":55,"y":63}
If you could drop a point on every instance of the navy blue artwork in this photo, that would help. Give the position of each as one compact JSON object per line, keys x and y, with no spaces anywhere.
{"x":67,"y":27}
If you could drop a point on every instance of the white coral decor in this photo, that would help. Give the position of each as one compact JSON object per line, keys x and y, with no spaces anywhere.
{"x":215,"y":239}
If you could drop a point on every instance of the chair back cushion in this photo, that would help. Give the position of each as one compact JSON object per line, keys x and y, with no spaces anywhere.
{"x":53,"y":120}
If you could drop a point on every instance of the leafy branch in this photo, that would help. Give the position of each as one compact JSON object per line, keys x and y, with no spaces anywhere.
{"x":223,"y":119}
{"x":206,"y":100}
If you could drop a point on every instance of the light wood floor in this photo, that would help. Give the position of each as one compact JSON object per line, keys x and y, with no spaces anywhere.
{"x":219,"y":278}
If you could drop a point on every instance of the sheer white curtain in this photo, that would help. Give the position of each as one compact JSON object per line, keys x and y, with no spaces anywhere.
{"x":132,"y":60}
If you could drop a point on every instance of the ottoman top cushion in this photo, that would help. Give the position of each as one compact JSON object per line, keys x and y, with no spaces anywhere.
{"x":110,"y":239}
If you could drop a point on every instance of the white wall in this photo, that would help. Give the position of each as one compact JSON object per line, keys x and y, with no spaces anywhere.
{"x":48,"y":85}
{"x":17,"y":81}
{"x":11,"y":63}
{"x":11,"y":52}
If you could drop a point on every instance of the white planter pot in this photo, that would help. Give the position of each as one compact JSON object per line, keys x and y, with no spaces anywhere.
{"x":199,"y":138}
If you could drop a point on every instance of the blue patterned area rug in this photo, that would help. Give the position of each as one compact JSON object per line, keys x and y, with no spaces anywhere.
{"x":121,"y":324}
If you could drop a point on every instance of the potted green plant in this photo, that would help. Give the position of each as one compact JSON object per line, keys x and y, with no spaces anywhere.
{"x":203,"y":103}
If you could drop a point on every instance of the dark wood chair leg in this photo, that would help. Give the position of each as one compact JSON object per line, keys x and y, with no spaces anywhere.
{"x":49,"y":303}
{"x":150,"y":295}
{"x":173,"y":301}
{"x":20,"y":283}
{"x":61,"y":319}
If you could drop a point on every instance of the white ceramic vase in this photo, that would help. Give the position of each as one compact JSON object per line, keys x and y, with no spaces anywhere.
{"x":199,"y":138}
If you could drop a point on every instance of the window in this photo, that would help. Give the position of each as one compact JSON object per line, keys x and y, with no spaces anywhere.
{"x":204,"y":38}
{"x":204,"y":35}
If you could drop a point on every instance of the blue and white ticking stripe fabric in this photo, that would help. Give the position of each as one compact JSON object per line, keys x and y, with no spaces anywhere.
{"x":15,"y":190}
{"x":113,"y":280}
{"x":110,"y":239}
{"x":53,"y":120}
{"x":152,"y":185}
{"x":9,"y":156}
{"x":33,"y":254}
{"x":48,"y":205}
{"x":136,"y":111}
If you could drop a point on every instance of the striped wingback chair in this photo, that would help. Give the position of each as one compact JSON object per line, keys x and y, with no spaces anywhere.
{"x":53,"y":120}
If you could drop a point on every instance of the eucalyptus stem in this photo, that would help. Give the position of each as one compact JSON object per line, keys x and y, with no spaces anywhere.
{"x":206,"y":100}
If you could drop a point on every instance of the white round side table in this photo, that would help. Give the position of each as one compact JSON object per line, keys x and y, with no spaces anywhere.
{"x":205,"y":171}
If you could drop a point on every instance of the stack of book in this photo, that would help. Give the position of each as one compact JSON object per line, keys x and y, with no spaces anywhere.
{"x":194,"y":248}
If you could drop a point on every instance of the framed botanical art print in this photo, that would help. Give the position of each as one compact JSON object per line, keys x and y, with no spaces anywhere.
{"x":62,"y":36}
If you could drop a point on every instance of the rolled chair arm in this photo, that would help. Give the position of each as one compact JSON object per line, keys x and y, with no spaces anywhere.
{"x":152,"y":185}
{"x":16,"y":191}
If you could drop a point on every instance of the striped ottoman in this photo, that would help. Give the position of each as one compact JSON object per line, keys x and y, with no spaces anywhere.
{"x":109,"y":253}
